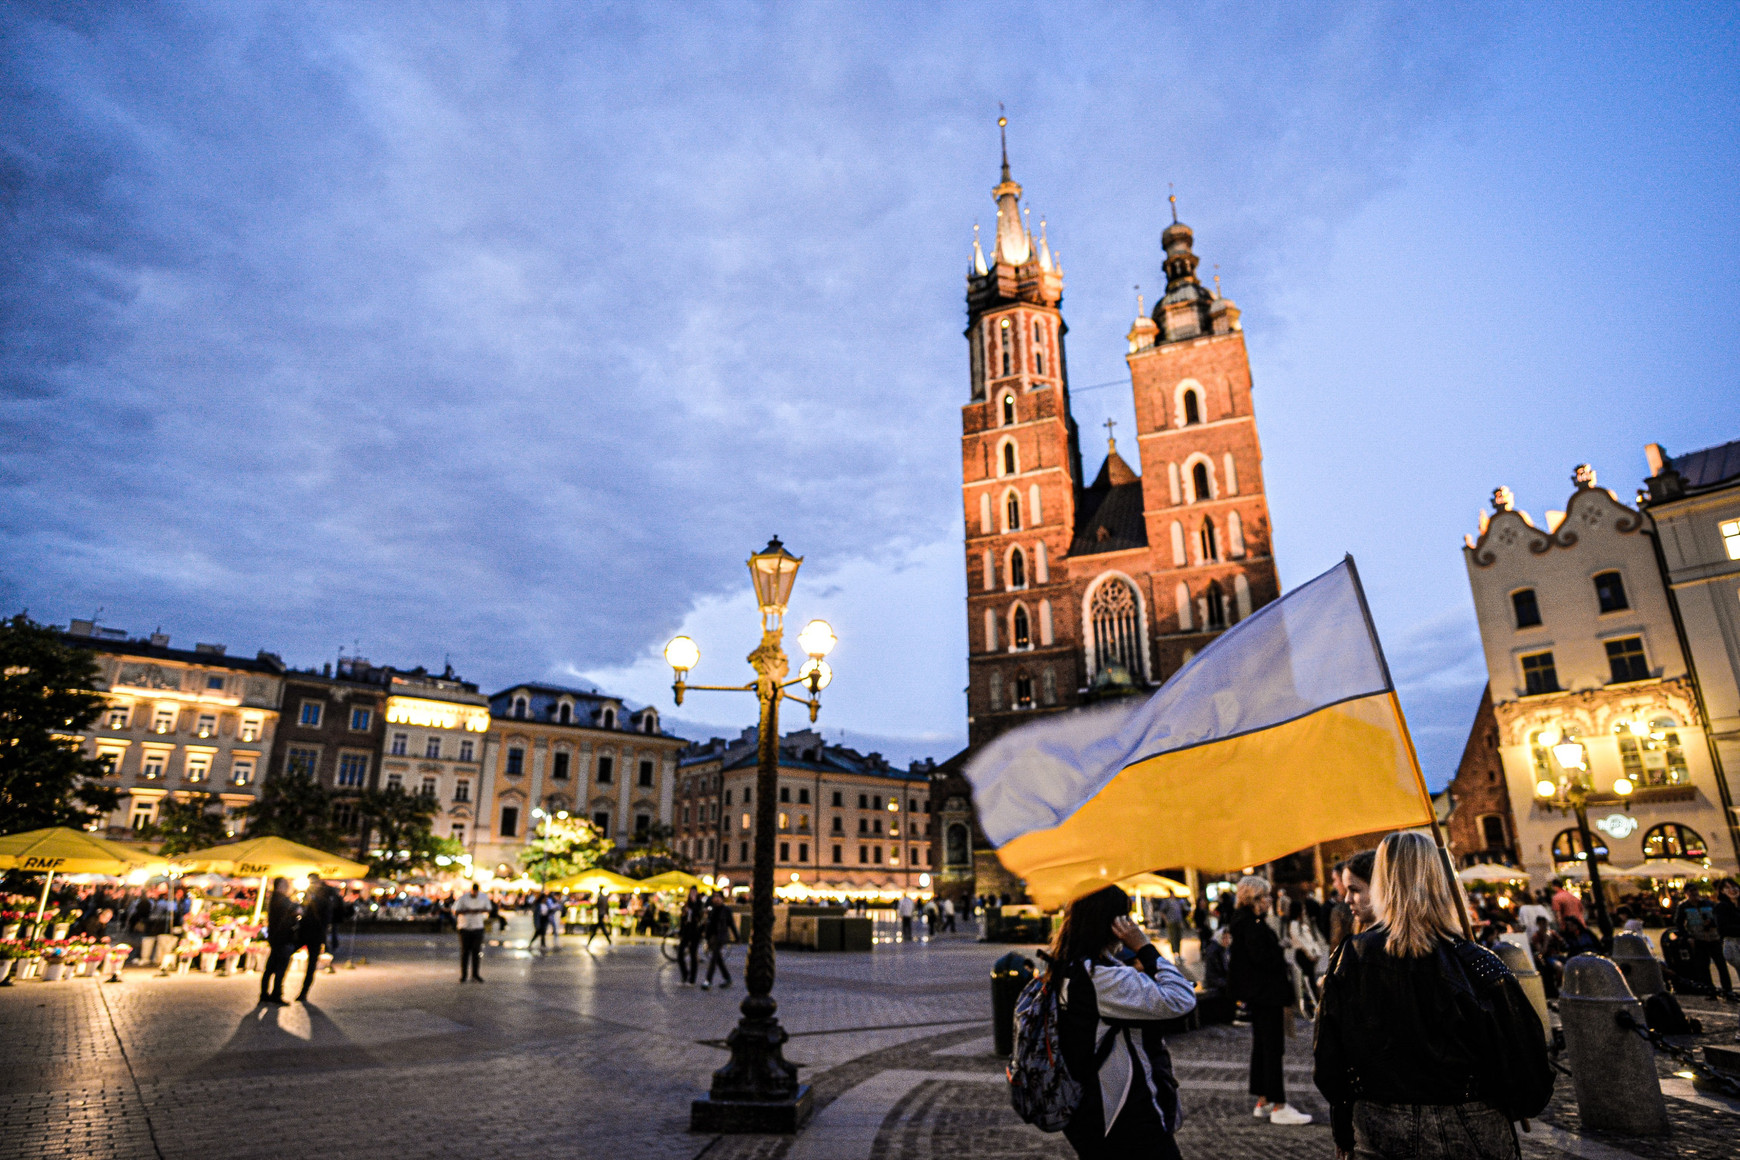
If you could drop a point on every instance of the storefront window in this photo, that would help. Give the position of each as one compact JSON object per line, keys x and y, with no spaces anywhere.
{"x":1651,"y":754}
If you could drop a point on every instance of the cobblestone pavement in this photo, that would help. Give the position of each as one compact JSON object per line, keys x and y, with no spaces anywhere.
{"x":599,"y":1054}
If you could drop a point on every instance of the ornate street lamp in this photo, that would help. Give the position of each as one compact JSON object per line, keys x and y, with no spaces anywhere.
{"x":1571,"y":791}
{"x":758,"y":1089}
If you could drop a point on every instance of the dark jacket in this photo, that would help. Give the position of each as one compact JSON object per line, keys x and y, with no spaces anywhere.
{"x":1257,"y":972}
{"x":1427,"y":1029}
{"x":693,"y":918}
{"x":1728,"y":919}
{"x":282,"y":919}
{"x":317,"y":911}
{"x":721,"y":923}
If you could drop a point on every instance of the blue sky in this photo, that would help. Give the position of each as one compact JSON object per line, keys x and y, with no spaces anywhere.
{"x":505,"y":333}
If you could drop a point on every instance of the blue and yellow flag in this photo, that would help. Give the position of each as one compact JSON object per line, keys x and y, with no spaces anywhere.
{"x":1282,"y":733}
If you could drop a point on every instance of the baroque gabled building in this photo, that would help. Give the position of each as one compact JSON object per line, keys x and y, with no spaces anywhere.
{"x":1080,"y":587}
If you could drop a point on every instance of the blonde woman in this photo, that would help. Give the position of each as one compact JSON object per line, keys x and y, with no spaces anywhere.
{"x":1258,"y":977}
{"x":1426,"y":1048}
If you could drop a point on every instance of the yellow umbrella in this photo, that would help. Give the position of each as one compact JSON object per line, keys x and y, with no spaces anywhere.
{"x":269,"y":858}
{"x":1154,"y":886}
{"x":595,"y":880}
{"x":673,"y":880}
{"x":59,"y":850}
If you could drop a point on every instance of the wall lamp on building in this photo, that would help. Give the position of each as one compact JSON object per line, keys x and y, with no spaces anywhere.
{"x":758,"y":1090}
{"x":1571,"y":791}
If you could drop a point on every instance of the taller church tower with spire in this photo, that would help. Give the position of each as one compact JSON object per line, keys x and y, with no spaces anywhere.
{"x":1077,"y":589}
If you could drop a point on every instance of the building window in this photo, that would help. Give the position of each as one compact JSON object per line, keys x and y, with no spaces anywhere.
{"x":1113,"y":610}
{"x":803,"y":851}
{"x":467,"y":751}
{"x":118,"y":718}
{"x":1650,"y":752}
{"x":803,"y":796}
{"x":302,"y":762}
{"x":431,"y":788}
{"x":1527,"y":609}
{"x":395,"y":783}
{"x":863,"y":825}
{"x":785,"y":851}
{"x":839,"y":824}
{"x":344,"y":817}
{"x":564,"y":713}
{"x":1017,"y":569}
{"x":863,"y":801}
{"x":642,"y":826}
{"x":601,"y":820}
{"x":198,"y":767}
{"x":1731,"y":538}
{"x":1568,"y":847}
{"x":510,"y":821}
{"x":242,"y":770}
{"x":1626,"y":660}
{"x":1008,"y":349}
{"x":310,"y":715}
{"x":646,"y":774}
{"x":1610,"y":592}
{"x":206,"y":726}
{"x":1008,"y":408}
{"x":353,"y":769}
{"x":1672,"y":840}
{"x":1009,"y":466}
{"x":459,"y":832}
{"x":1199,"y":483}
{"x":1215,"y":599}
{"x":520,"y":708}
{"x":1192,"y":413}
{"x":744,"y":822}
{"x":1492,"y":831}
{"x":110,"y":759}
{"x":1012,"y":509}
{"x":863,"y":855}
{"x":462,"y":790}
{"x":876,"y":855}
{"x":1024,"y":692}
{"x":606,"y":771}
{"x":251,"y":728}
{"x":144,"y":813}
{"x":400,"y":741}
{"x":432,"y":747}
{"x":743,"y":851}
{"x":839,"y":800}
{"x":1210,"y":542}
{"x":894,"y":855}
{"x":1539,"y":675}
{"x":559,"y":766}
{"x":1023,"y":639}
{"x":164,"y":719}
{"x":516,"y":761}
{"x":608,"y":717}
{"x":360,"y":719}
{"x":214,"y":682}
{"x":839,"y":855}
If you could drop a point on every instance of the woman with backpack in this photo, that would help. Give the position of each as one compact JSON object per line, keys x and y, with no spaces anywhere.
{"x":1426,"y":1046}
{"x":1108,"y":1029}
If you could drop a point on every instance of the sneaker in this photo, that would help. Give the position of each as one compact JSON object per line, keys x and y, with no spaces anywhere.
{"x":1263,"y":1108}
{"x":1288,"y":1114}
{"x":706,"y":986}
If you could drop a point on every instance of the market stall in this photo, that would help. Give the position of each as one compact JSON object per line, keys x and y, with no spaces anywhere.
{"x":49,"y":852}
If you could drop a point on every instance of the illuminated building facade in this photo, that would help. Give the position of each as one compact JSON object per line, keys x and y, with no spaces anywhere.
{"x":433,"y":736}
{"x":849,"y":823}
{"x":551,"y":748}
{"x":179,"y":721}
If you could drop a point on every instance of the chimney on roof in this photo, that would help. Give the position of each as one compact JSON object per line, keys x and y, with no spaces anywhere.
{"x":81,"y":628}
{"x":1655,"y":455}
{"x":215,"y":650}
{"x":160,"y":639}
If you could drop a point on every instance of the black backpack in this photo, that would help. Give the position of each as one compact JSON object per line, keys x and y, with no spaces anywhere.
{"x":1518,"y":1079}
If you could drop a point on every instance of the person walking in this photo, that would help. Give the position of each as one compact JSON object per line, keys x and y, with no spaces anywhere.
{"x":282,"y":917}
{"x":540,"y":924}
{"x":1260,"y":980}
{"x":721,"y":928}
{"x":600,"y":919}
{"x":904,"y":909}
{"x":470,"y":916}
{"x":1565,"y":904}
{"x":691,"y":921}
{"x":1696,"y":916}
{"x":1425,"y":1045}
{"x":1109,"y":1029}
{"x":1172,"y":915}
{"x":948,"y":915}
{"x":318,"y":903}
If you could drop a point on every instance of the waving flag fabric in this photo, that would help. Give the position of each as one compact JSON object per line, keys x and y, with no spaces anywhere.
{"x":1282,"y":733}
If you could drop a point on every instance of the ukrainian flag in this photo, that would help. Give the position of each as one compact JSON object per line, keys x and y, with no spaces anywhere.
{"x":1282,"y":733}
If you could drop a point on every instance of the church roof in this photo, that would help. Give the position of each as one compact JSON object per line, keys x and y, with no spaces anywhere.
{"x":1110,"y":511}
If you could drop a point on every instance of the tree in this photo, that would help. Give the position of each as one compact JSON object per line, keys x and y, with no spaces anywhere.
{"x":650,"y":853}
{"x":48,"y":696}
{"x":396,"y":832}
{"x":295,"y":806}
{"x":187,"y":823}
{"x":561,"y":846}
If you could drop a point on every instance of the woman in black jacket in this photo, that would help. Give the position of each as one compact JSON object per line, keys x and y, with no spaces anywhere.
{"x":1259,"y":979}
{"x":1426,"y":1046}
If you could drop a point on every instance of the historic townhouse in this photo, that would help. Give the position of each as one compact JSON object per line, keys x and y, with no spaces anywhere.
{"x":1583,"y":659}
{"x":179,"y":721}
{"x":334,"y":727}
{"x":552,"y":749}
{"x":434,"y":732}
{"x":848,"y":823}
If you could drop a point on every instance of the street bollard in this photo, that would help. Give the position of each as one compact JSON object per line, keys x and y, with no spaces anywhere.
{"x":1612,"y":1068}
{"x":1009,"y":977}
{"x":1529,"y":980}
{"x":1631,"y":954}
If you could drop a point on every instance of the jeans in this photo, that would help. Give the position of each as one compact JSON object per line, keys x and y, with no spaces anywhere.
{"x":689,"y":957}
{"x":1471,"y":1131}
{"x":470,"y":954}
{"x":1268,"y":1049}
{"x":315,"y":946}
{"x":272,"y":977}
{"x":1705,"y":954}
{"x":716,"y":958}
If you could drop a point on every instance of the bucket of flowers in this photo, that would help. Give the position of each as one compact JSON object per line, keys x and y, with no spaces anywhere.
{"x":258,"y":950}
{"x":53,"y":961}
{"x":95,"y":954}
{"x":62,"y":926}
{"x":11,"y":952}
{"x":115,"y":957}
{"x":208,"y":957}
{"x":10,"y":923}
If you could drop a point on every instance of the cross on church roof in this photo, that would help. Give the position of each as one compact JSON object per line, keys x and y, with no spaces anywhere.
{"x":1111,"y":442}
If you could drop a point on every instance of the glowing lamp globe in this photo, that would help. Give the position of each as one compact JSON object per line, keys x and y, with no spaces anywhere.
{"x":1544,"y":788}
{"x":773,"y":571}
{"x":821,"y":667}
{"x":1622,"y":786}
{"x":1569,"y":753}
{"x":817,"y":639}
{"x":1549,"y":737}
{"x":682,"y":654}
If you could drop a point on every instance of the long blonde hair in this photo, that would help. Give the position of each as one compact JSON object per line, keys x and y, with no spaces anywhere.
{"x":1412,"y":896}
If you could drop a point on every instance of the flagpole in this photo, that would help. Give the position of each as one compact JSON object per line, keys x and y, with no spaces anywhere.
{"x":1413,"y":757}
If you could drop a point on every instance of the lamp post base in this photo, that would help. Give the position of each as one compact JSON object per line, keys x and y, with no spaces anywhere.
{"x":738,"y":1116}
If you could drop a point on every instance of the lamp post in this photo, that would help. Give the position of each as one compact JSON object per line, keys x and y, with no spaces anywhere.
{"x":1571,"y":791}
{"x":758,"y":1090}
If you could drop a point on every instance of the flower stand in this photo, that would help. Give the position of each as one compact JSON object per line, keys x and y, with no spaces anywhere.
{"x":51,"y":971}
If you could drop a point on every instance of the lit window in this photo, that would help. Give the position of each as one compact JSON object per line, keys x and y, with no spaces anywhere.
{"x":206,"y":726}
{"x":1610,"y":592}
{"x":310,"y":716}
{"x":1731,"y":538}
{"x":1022,"y":638}
{"x":118,"y":718}
{"x":1650,"y":753}
{"x":251,"y":728}
{"x":1528,"y":610}
{"x":1568,"y":847}
{"x":1626,"y":660}
{"x":1023,"y":700}
{"x":359,"y":720}
{"x":198,"y":767}
{"x":1008,"y":349}
{"x":1539,"y":674}
{"x":242,"y":770}
{"x":400,"y":742}
{"x":1008,"y":407}
{"x":164,"y":719}
{"x":353,"y":769}
{"x":1672,"y":840}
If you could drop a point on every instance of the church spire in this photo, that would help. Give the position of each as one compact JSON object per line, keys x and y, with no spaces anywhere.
{"x":1013,"y":245}
{"x":979,"y":268}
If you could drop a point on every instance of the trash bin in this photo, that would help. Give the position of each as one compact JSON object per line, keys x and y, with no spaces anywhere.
{"x":1009,"y":977}
{"x":1612,"y":1068}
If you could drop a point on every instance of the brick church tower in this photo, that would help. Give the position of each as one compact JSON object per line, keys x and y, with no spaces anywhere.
{"x":1079,"y":590}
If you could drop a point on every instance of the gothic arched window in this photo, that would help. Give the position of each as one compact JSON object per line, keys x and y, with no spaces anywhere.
{"x":1017,"y":569}
{"x":1009,"y":465}
{"x":1024,"y":692}
{"x":1210,"y":542}
{"x":1008,"y":408}
{"x":1192,"y":414}
{"x":1013,"y":508}
{"x":1023,"y":637}
{"x":1216,"y":600}
{"x":1038,"y":348}
{"x":1199,"y":479}
{"x":1008,"y":349}
{"x":1113,"y":612}
{"x":1568,"y":847}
